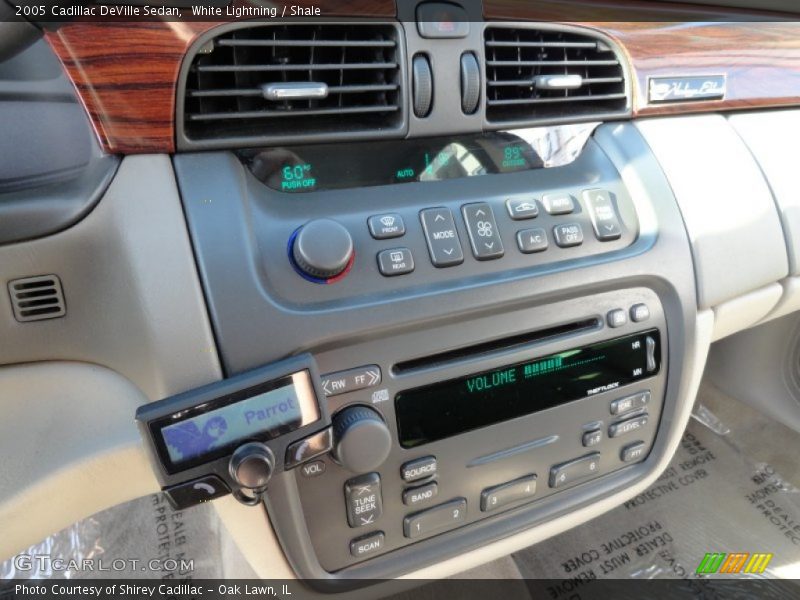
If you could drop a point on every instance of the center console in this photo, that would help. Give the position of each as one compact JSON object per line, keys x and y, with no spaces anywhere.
{"x":493,"y":347}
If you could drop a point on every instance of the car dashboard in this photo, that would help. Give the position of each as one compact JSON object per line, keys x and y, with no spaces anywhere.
{"x":486,"y":244}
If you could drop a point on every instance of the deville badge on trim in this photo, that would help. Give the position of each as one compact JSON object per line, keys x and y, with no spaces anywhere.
{"x":686,"y":89}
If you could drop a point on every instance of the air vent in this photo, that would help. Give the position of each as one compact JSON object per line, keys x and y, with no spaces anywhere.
{"x":37,"y":298}
{"x":540,"y":74}
{"x":305,"y":82}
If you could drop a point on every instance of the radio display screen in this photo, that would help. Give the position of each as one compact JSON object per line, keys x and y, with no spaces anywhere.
{"x":213,"y":429}
{"x":449,"y":408}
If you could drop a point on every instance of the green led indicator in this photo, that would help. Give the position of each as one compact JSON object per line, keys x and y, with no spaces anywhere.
{"x":481,"y":383}
{"x":543,"y":366}
{"x":405,"y":174}
{"x":297,"y":177}
{"x":513,"y":157}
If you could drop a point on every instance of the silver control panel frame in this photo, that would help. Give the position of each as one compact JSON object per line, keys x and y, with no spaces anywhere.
{"x":468,"y":464}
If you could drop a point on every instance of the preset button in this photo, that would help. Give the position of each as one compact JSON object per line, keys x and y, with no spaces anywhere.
{"x":444,"y":516}
{"x":502,"y":495}
{"x":574,"y":470}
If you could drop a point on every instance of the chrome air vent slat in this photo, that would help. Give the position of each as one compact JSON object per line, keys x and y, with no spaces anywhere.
{"x":541,"y":73}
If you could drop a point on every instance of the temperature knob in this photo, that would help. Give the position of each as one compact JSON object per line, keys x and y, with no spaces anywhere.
{"x":362,"y":440}
{"x":322,"y":249}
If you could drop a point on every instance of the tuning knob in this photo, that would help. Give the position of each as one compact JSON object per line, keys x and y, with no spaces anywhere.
{"x":322,"y":249}
{"x":362,"y":441}
{"x":251,"y":466}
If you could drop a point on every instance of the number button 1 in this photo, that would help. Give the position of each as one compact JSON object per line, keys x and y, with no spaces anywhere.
{"x":442,"y":517}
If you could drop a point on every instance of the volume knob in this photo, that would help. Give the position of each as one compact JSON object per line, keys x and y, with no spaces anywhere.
{"x":362,"y":441}
{"x":322,"y":249}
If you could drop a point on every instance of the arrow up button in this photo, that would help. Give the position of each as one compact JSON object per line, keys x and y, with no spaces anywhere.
{"x":482,"y":228}
{"x":442,"y":237}
{"x":604,"y":216}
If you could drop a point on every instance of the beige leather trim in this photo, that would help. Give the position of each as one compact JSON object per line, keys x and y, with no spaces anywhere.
{"x":70,"y":448}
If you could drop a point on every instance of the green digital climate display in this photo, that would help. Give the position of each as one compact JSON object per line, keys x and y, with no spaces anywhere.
{"x":297,"y":177}
{"x":325,"y":167}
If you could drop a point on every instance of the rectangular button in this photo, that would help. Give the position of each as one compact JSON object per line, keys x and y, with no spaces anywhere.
{"x":482,"y":229}
{"x":351,"y":380}
{"x":627,"y":426}
{"x":633,"y":452}
{"x":384,"y":227}
{"x":574,"y":470}
{"x":502,"y":495}
{"x":420,"y":494}
{"x":532,"y":240}
{"x":419,"y":468}
{"x":369,"y":544}
{"x":519,"y":209}
{"x":442,"y":237}
{"x":650,"y":345}
{"x":362,"y":496}
{"x":629,"y":403}
{"x":397,"y":261}
{"x":196,"y":491}
{"x":567,"y":235}
{"x":442,"y":20}
{"x":444,"y":516}
{"x":558,"y":204}
{"x":308,"y":448}
{"x":592,"y":438}
{"x":604,"y":217}
{"x":639,"y":313}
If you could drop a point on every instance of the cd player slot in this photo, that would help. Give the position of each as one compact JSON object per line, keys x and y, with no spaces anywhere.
{"x":486,"y":349}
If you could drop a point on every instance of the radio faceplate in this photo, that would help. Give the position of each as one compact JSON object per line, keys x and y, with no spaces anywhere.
{"x":523,"y":469}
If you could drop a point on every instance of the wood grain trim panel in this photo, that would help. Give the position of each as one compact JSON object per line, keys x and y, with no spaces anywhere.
{"x":760,"y":58}
{"x":126,"y":74}
{"x":761,"y":61}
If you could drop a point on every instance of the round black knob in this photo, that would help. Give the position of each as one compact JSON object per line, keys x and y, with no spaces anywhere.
{"x":362,"y":441}
{"x":251,"y":465}
{"x":322,"y":248}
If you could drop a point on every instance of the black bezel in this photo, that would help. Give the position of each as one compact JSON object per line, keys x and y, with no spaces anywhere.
{"x":445,"y":389}
{"x":158,"y":425}
{"x":153,"y":417}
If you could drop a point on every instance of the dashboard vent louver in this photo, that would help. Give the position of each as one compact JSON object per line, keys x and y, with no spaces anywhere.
{"x":37,"y":298}
{"x":273,"y":82}
{"x":541,"y":74}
